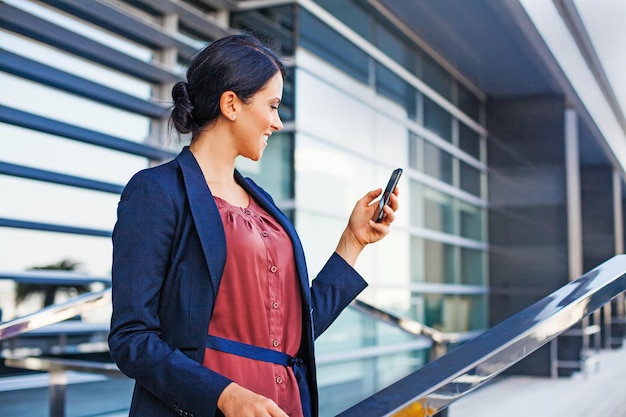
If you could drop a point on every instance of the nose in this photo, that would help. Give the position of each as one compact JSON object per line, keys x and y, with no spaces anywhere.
{"x":277,"y":124}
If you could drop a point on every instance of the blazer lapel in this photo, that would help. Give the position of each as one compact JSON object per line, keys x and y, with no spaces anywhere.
{"x":205,"y":215}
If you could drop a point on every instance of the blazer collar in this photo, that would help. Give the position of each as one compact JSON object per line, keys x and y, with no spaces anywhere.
{"x":205,"y":216}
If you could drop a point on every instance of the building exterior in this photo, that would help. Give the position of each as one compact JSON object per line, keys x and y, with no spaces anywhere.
{"x":512,"y":185}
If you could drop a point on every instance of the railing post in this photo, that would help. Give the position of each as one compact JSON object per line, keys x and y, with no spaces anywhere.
{"x":58,"y":384}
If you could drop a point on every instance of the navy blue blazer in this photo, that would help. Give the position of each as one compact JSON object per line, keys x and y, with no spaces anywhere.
{"x":169,"y":252}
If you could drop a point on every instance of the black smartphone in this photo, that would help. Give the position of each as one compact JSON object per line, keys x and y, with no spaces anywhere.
{"x":384,"y":199}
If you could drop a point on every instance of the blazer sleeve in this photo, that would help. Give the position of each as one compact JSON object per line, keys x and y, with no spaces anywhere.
{"x":142,"y":244}
{"x":334,"y":288}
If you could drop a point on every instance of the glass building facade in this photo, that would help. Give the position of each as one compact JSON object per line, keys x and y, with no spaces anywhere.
{"x":84,"y":96}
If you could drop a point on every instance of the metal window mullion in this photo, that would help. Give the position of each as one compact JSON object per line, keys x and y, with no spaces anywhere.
{"x":46,"y":32}
{"x":22,"y":171}
{"x":50,"y":227}
{"x":54,"y":127}
{"x":112,"y":18}
{"x":44,"y":74}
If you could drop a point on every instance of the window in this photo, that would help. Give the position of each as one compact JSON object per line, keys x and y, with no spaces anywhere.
{"x":390,"y":85}
{"x":320,"y":39}
{"x":437,"y":120}
{"x":437,"y":163}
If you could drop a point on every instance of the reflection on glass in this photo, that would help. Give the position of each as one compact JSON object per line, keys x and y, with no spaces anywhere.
{"x":436,"y":77}
{"x":398,"y":90}
{"x":471,"y":221}
{"x":438,"y":211}
{"x":468,"y":102}
{"x":351,"y":14}
{"x":469,"y":141}
{"x":274,"y":25}
{"x":437,"y":120}
{"x":471,"y":179}
{"x":396,"y":47}
{"x":439,"y":262}
{"x":320,"y":39}
{"x":473,"y":266}
{"x":343,"y":383}
{"x":437,"y":163}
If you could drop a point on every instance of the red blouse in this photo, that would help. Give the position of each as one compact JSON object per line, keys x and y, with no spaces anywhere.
{"x":258,"y":303}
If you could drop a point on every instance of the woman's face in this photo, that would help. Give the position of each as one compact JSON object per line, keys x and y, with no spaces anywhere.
{"x":258,"y":119}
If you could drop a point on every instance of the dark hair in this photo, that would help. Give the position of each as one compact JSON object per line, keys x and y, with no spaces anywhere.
{"x":238,"y":63}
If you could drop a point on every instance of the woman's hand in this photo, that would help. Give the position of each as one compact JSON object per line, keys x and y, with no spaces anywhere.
{"x":361,"y":229}
{"x":237,"y":401}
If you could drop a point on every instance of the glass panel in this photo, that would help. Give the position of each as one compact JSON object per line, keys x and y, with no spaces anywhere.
{"x":57,"y":154}
{"x":287,"y":110}
{"x":437,"y":120}
{"x":437,"y":163}
{"x":469,"y":141}
{"x":350,"y":14}
{"x":471,"y":218}
{"x":438,"y":211}
{"x":468,"y":102}
{"x":274,"y":25}
{"x":473,"y":267}
{"x":343,"y":383}
{"x":471,"y":179}
{"x":439,"y":262}
{"x":436,"y":77}
{"x":332,"y":47}
{"x":395,"y":47}
{"x":395,"y":88}
{"x":274,"y":172}
{"x":449,"y":313}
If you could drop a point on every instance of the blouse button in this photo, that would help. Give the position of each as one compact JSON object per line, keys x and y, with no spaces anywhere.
{"x":247,"y":211}
{"x":275,"y":304}
{"x":279,"y":380}
{"x":275,"y":343}
{"x":273,"y":268}
{"x":264,"y":233}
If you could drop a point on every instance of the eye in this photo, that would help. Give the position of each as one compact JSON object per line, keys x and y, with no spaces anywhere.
{"x":275,"y":107}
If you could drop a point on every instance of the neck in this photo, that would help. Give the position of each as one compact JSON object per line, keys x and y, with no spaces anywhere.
{"x":215,"y":157}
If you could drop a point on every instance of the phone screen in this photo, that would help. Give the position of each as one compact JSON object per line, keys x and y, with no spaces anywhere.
{"x":384,"y":199}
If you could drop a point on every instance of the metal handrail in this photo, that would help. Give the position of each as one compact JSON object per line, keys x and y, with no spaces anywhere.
{"x":432,"y":388}
{"x":55,"y":313}
{"x":439,"y":340}
{"x":53,"y":277}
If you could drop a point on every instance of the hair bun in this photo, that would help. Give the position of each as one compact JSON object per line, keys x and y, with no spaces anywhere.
{"x":182,"y":117}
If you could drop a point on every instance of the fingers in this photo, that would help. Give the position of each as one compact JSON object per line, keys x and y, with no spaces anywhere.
{"x":236,"y":401}
{"x":371,"y":196}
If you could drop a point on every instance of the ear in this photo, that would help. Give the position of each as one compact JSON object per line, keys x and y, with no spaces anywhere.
{"x":229,"y":104}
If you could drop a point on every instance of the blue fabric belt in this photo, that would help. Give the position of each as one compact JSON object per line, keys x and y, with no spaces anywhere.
{"x":267,"y":355}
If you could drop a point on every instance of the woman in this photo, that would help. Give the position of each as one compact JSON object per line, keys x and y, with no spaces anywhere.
{"x":212,"y":309}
